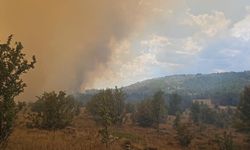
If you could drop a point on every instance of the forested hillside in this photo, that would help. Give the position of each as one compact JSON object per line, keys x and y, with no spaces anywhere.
{"x":222,"y":88}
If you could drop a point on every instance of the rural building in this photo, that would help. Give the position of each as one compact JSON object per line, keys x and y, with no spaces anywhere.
{"x":207,"y":102}
{"x":227,"y":108}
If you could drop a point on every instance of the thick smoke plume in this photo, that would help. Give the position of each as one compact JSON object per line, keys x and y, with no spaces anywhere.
{"x":71,"y":38}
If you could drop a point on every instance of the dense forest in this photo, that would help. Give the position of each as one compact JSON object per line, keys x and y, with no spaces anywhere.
{"x":222,"y":88}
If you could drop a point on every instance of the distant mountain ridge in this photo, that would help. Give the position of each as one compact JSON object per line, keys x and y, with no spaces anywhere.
{"x":225,"y":87}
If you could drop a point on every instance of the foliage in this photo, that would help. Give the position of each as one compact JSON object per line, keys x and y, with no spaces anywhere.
{"x":107,"y":108}
{"x":243,"y":111}
{"x":144,"y":116}
{"x":152,"y":111}
{"x":158,"y":108}
{"x":20,"y":105}
{"x":129,"y":108}
{"x":53,"y":111}
{"x":225,"y":142}
{"x":201,"y":113}
{"x":177,"y":120}
{"x":222,"y":88}
{"x":224,"y":119}
{"x":195,"y":112}
{"x":12,"y":66}
{"x":184,"y":134}
{"x":174,"y":104}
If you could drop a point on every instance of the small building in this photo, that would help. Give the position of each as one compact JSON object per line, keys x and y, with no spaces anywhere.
{"x":207,"y":102}
{"x":227,"y":108}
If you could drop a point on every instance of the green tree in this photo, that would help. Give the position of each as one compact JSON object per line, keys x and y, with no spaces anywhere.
{"x":225,"y":142}
{"x":13,"y":65}
{"x":243,"y":111}
{"x":129,"y":108}
{"x":53,"y":111}
{"x":158,"y":108}
{"x":177,"y":120}
{"x":201,"y":113}
{"x":119,"y":105}
{"x":107,"y":108}
{"x":184,"y":135}
{"x":195,"y":112}
{"x":174,"y":104}
{"x":143,"y":115}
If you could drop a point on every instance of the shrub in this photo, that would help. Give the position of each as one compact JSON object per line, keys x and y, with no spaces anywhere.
{"x":152,"y":111}
{"x":184,"y":135}
{"x":225,"y":142}
{"x":53,"y":111}
{"x":143,"y":115}
{"x":201,"y":113}
{"x":107,"y":108}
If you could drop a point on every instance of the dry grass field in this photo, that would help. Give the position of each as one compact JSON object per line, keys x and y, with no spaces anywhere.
{"x":83,"y":135}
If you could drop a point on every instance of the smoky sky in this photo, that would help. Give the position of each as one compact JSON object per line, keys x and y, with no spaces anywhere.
{"x":70,"y":38}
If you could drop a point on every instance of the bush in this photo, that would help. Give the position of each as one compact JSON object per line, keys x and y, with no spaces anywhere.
{"x":225,"y":142}
{"x":129,"y":108}
{"x":107,"y":108}
{"x":152,"y":111}
{"x":184,"y":135}
{"x":174,"y":104}
{"x":53,"y":111}
{"x":143,"y":115}
{"x":201,"y":113}
{"x":177,"y":120}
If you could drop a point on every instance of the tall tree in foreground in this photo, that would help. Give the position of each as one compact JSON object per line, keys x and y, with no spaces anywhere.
{"x":158,"y":108}
{"x":244,"y":111}
{"x":12,"y":65}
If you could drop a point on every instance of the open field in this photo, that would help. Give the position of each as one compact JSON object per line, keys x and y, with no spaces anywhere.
{"x":83,"y":135}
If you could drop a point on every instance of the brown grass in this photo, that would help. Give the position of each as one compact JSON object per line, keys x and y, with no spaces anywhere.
{"x":83,"y":135}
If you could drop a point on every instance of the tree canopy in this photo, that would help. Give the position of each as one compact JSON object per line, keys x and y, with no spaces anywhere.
{"x":13,"y":64}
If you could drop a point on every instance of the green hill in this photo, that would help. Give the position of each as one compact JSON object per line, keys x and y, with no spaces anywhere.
{"x":223,"y":88}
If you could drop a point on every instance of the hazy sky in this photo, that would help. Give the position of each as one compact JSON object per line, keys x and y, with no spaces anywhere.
{"x":82,"y":44}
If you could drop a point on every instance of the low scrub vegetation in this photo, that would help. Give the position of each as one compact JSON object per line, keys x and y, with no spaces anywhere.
{"x":53,"y":111}
{"x":225,"y":142}
{"x":184,"y":134}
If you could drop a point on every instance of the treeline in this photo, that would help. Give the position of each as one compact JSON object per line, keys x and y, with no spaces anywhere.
{"x":222,"y":88}
{"x":109,"y":108}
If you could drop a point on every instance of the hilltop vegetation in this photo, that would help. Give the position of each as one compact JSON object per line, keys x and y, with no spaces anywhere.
{"x":222,"y":88}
